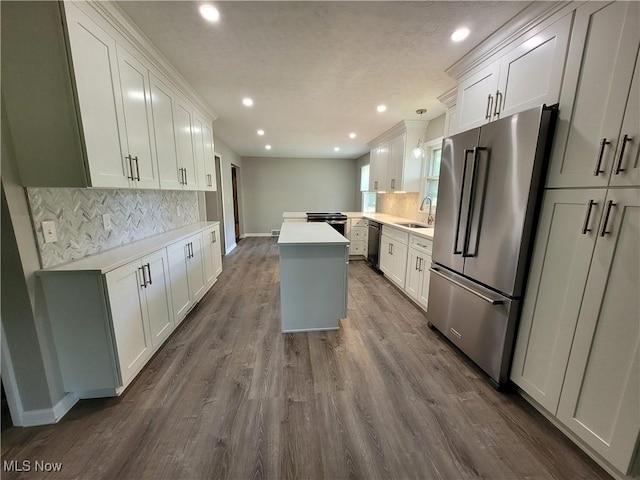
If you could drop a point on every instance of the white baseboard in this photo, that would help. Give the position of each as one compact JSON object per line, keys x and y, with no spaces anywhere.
{"x":47,"y":416}
{"x":231,"y":248}
{"x":258,"y":235}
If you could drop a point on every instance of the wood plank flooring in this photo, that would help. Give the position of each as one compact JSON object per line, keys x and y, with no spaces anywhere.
{"x":230,"y":397}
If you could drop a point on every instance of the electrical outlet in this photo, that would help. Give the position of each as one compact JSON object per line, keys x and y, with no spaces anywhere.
{"x":49,"y":231}
{"x":106,"y":221}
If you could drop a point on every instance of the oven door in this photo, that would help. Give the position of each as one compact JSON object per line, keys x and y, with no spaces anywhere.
{"x":338,"y":225}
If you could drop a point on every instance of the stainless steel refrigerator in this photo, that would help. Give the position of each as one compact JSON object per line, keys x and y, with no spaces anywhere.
{"x":488,"y":199}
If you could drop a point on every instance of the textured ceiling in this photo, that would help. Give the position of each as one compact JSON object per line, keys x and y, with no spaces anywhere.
{"x":316,"y":70}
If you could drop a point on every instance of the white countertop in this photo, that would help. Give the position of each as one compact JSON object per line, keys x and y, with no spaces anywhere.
{"x":378,"y":217}
{"x":315,"y":233}
{"x":108,"y":260}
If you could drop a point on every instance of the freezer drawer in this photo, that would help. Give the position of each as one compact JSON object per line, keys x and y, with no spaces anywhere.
{"x":478,"y":321}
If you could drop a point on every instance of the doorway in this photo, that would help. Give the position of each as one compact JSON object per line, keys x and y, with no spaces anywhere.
{"x":215,"y":205}
{"x":236,"y":204}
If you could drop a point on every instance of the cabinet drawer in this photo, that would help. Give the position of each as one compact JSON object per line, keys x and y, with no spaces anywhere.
{"x":359,"y":233}
{"x":399,"y":235}
{"x":359,"y":222}
{"x":358,"y":248}
{"x":422,"y":244}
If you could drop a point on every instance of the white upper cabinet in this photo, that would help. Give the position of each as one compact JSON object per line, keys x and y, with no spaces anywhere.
{"x":527,"y":75}
{"x":186,"y":150}
{"x":395,"y":161}
{"x":95,"y":67}
{"x":209,"y":157}
{"x":203,"y":145}
{"x":138,"y":122}
{"x":163,"y":108}
{"x":596,"y":93}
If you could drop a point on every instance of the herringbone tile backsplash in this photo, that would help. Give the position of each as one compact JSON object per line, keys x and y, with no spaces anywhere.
{"x":77,"y":212}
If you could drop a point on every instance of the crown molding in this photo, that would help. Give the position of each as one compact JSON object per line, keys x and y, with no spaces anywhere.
{"x":404,"y":126}
{"x":122,"y":23}
{"x":449,"y":98}
{"x":536,"y":14}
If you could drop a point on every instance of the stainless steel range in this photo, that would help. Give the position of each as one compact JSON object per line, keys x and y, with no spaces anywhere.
{"x":336,"y":219}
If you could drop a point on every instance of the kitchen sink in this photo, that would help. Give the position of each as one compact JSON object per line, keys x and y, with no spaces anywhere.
{"x":413,"y":225}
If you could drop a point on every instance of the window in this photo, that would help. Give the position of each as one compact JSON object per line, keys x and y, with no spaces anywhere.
{"x":431,"y":171}
{"x":364,"y":178}
{"x":368,"y":198}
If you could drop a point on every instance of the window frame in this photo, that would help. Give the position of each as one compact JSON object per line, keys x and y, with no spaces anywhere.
{"x":429,"y":147}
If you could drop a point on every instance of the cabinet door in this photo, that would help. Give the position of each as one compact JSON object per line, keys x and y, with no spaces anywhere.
{"x":136,"y":100}
{"x":386,"y":259}
{"x":129,"y":319}
{"x":208,"y":243}
{"x":600,"y":399}
{"x":395,"y":163}
{"x":209,"y":158}
{"x":423,"y":293}
{"x":195,"y":265}
{"x":180,"y":298}
{"x":399,"y":253}
{"x":198,"y":146}
{"x":184,"y":139}
{"x":412,"y":286}
{"x":603,"y":51}
{"x":557,"y":277}
{"x":217,"y":252}
{"x":158,"y":296}
{"x":531,"y":74}
{"x":95,"y":67}
{"x":476,"y":97}
{"x":162,"y":108}
{"x":626,"y":169}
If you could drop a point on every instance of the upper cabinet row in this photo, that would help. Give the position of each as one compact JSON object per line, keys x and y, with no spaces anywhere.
{"x":88,"y":110}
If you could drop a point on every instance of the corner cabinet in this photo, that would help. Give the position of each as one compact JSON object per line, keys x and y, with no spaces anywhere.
{"x":527,"y":74}
{"x":109,"y":318}
{"x":577,"y":350}
{"x":102,"y":108}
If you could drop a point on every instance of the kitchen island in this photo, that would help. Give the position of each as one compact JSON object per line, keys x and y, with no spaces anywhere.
{"x":313,"y":277}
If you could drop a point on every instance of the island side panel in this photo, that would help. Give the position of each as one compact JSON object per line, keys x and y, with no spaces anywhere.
{"x":313,"y":286}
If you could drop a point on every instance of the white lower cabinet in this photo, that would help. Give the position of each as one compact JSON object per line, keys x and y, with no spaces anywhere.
{"x":418,"y":263}
{"x":393,"y":255}
{"x":578,"y":346}
{"x":212,"y":255}
{"x":158,"y":293}
{"x":186,"y":270}
{"x":358,"y":235}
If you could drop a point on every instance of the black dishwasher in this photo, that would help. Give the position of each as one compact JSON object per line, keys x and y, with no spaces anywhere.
{"x":373,"y":247}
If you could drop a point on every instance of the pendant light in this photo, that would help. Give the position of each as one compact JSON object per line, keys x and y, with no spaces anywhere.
{"x":418,"y":152}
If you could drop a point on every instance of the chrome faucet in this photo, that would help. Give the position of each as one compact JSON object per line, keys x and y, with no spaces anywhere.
{"x":429,"y":215}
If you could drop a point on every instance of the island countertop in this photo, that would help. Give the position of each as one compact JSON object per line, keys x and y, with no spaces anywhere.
{"x":314,"y":233}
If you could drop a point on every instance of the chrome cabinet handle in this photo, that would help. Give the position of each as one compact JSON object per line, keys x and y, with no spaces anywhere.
{"x":492,"y":301}
{"x":137,"y":169}
{"x":487,"y":114}
{"x":610,"y":205}
{"x":181,"y":170}
{"x":185,"y":176}
{"x":421,"y":264}
{"x":144,"y":277}
{"x":148,"y":267}
{"x":597,"y":170}
{"x":416,"y":267}
{"x":585,"y":226}
{"x":619,"y":168}
{"x":497,"y":111}
{"x":130,"y":159}
{"x":213,"y":236}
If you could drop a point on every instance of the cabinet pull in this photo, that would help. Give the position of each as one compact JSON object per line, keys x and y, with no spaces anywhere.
{"x":604,"y":231}
{"x":487,"y":114}
{"x":185,"y":176}
{"x":416,"y":267}
{"x":181,"y":176}
{"x":148,"y":267}
{"x":498,"y":109}
{"x":213,"y":236}
{"x":144,"y":277}
{"x":619,"y":168}
{"x":130,"y":177}
{"x":375,"y":185}
{"x":597,"y":170}
{"x":585,"y":226}
{"x":420,"y":264}
{"x":137,"y":169}
{"x":393,"y":184}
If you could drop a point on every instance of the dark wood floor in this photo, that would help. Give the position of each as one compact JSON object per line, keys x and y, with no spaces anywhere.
{"x":229,"y":396}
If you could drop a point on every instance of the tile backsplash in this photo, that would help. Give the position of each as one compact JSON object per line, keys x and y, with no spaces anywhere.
{"x":77,"y":213}
{"x":405,"y":205}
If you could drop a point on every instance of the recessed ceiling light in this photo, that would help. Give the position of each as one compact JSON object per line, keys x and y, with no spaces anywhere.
{"x":247,"y":102}
{"x":381,"y":108}
{"x":268,"y":147}
{"x":209,"y":13}
{"x":352,"y":135}
{"x":337,"y":149}
{"x":460,"y":34}
{"x":260,"y":132}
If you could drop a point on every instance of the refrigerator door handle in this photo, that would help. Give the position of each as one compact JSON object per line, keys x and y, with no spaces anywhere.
{"x":492,"y":301}
{"x":472,"y":192}
{"x":467,"y":151}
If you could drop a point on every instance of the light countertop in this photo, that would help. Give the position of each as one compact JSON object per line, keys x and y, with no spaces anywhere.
{"x":315,"y":233}
{"x":108,"y":260}
{"x":383,"y":218}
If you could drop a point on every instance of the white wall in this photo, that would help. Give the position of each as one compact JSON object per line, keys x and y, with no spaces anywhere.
{"x":435,"y":128}
{"x":275,"y":185}
{"x":227,"y":158}
{"x":360,"y":162}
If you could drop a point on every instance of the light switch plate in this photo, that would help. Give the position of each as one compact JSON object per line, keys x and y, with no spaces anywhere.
{"x":49,"y":231}
{"x":106,"y":221}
